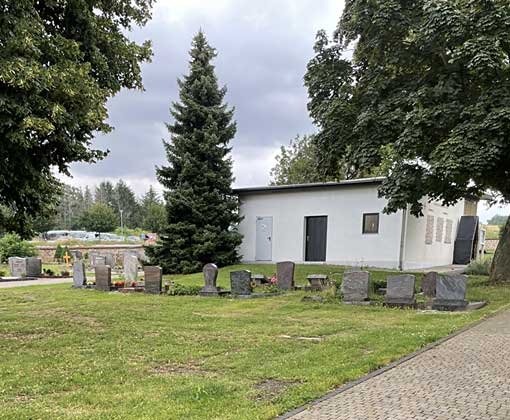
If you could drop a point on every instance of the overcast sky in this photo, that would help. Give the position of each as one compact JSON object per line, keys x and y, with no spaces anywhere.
{"x":263,"y":48}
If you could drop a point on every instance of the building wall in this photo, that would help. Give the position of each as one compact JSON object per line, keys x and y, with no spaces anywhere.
{"x":344,"y":206}
{"x":429,"y":240}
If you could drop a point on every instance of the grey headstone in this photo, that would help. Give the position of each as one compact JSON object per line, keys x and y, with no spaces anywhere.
{"x":103,"y":277}
{"x":356,"y":286}
{"x":79,"y":275}
{"x":98,"y":260}
{"x":428,"y":284}
{"x":18,"y":266}
{"x":109,"y":260}
{"x":400,"y":290}
{"x":240,"y":282}
{"x":34,"y":267}
{"x":153,"y":277}
{"x":318,"y":281}
{"x":450,"y":292}
{"x":210,"y":275}
{"x":76,"y":254}
{"x":285,"y":275}
{"x":130,"y":268}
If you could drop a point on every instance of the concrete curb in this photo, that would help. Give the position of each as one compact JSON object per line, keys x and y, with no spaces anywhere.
{"x":386,"y":368}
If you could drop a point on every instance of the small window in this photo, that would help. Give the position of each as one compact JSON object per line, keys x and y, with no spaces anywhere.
{"x":371,"y":223}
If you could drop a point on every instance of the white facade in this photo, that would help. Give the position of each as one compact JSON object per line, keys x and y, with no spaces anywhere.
{"x":274,"y":227}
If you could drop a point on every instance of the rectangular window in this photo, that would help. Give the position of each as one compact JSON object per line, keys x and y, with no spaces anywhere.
{"x":371,"y":223}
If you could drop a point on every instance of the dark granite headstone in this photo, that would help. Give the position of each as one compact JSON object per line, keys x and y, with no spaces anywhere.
{"x":317,"y":282}
{"x":240,"y":283}
{"x":428,"y":284}
{"x":103,"y":277}
{"x":356,"y":286}
{"x":153,"y":277}
{"x":450,"y":292}
{"x":210,"y":276}
{"x":285,"y":275}
{"x":79,"y":276}
{"x":400,"y":290}
{"x":34,"y":267}
{"x":18,"y":266}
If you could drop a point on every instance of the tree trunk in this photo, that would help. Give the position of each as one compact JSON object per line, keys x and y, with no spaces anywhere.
{"x":500,"y":271}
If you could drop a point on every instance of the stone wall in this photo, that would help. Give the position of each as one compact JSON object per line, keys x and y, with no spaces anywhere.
{"x":47,"y":252}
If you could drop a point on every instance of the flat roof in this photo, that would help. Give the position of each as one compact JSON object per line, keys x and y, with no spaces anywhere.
{"x":315,"y":185}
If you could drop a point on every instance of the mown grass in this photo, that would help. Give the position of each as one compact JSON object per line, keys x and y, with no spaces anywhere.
{"x":69,"y":354}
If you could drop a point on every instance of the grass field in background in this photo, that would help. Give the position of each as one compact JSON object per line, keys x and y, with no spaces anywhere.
{"x":69,"y":354}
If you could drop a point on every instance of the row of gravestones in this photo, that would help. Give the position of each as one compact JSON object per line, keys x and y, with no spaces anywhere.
{"x":448,"y":290}
{"x":153,"y":277}
{"x":241,"y":281}
{"x":25,"y":267}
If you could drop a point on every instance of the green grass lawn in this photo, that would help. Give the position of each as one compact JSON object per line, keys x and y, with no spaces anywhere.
{"x":69,"y":354}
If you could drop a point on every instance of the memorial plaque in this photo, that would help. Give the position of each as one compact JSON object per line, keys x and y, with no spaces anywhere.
{"x":240,"y":283}
{"x":153,"y":277}
{"x":356,"y":286}
{"x":210,"y":276}
{"x":450,"y":292}
{"x":79,"y":275}
{"x":103,"y":277}
{"x":285,"y":275}
{"x":18,"y":266}
{"x":400,"y":290}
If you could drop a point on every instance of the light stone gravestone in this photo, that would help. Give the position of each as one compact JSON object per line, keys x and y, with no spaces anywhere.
{"x":356,"y":286}
{"x":79,"y":275}
{"x":103,"y":277}
{"x":450,"y":292}
{"x":76,"y":254}
{"x":240,"y":283}
{"x":400,"y":291}
{"x":210,"y":276}
{"x":285,"y":275}
{"x":98,"y":260}
{"x":428,"y":284}
{"x":34,"y":267}
{"x":130,"y":268}
{"x":18,"y":266}
{"x":317,"y":282}
{"x":109,"y":260}
{"x":153,"y":277}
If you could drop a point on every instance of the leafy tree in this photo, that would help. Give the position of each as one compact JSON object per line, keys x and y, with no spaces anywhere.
{"x":70,"y":208}
{"x":202,"y":211}
{"x":88,"y":200}
{"x":430,"y":79}
{"x":498,"y":219}
{"x":153,"y":212}
{"x":299,"y":163}
{"x":99,"y":218}
{"x":60,"y":61}
{"x":11,"y":245}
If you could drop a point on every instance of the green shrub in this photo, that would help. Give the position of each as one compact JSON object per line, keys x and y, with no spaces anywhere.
{"x":11,"y":245}
{"x":479,"y":267}
{"x":184,"y":290}
{"x":2,"y":273}
{"x":60,"y":251}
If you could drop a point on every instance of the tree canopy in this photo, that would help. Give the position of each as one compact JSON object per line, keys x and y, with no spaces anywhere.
{"x":59,"y":63}
{"x":431,"y":81}
{"x":202,"y":211}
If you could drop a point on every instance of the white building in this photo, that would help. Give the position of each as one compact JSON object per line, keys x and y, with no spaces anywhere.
{"x":343,"y":223}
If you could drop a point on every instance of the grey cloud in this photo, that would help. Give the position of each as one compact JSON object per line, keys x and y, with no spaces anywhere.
{"x":263,"y":49}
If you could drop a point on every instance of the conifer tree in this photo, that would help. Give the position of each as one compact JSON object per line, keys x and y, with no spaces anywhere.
{"x":202,"y":212}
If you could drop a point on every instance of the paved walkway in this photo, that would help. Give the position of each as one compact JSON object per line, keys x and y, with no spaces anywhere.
{"x":36,"y":282}
{"x":465,"y":378}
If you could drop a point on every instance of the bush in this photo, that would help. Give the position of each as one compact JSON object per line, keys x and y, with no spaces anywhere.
{"x":184,"y":290}
{"x":479,"y":267}
{"x":60,"y":252}
{"x":11,"y":245}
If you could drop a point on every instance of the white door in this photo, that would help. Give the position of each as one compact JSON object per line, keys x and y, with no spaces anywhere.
{"x":263,"y":246}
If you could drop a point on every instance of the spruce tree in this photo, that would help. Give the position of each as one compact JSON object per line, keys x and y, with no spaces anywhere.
{"x":202,"y":212}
